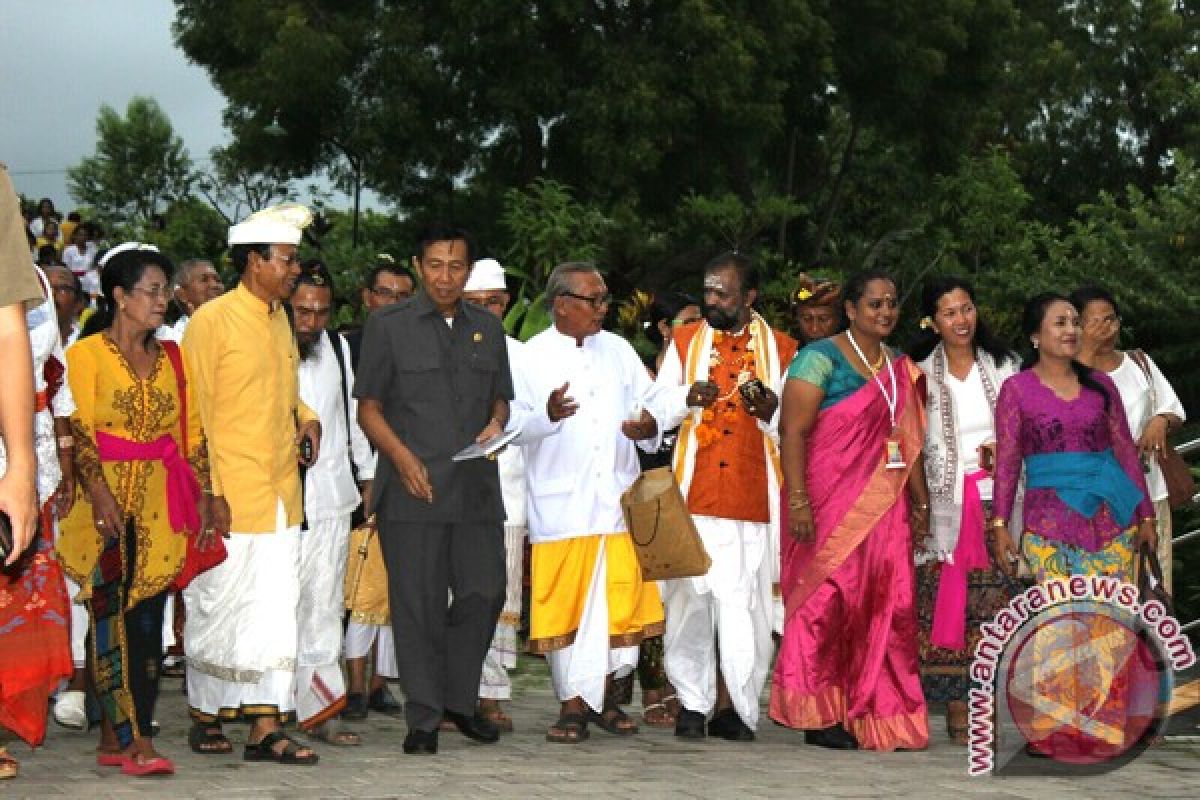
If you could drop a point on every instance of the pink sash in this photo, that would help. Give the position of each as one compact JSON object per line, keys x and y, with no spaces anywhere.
{"x":950,"y":611}
{"x":183,"y":490}
{"x":848,"y":483}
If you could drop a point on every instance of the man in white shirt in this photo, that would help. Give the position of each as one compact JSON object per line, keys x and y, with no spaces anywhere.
{"x":578,"y":406}
{"x":330,"y":496}
{"x":486,"y":287}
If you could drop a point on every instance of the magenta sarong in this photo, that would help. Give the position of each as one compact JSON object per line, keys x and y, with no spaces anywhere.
{"x":849,"y":650}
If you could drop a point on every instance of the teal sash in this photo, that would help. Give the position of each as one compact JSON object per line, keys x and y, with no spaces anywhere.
{"x":1085,"y":480}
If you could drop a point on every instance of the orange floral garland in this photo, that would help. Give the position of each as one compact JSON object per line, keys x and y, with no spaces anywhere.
{"x":707,"y":432}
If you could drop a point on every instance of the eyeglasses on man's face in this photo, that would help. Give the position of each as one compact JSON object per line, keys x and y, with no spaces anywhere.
{"x":390,"y":295}
{"x":597,"y":302}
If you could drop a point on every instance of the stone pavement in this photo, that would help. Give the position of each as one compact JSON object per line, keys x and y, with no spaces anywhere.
{"x":653,"y":764}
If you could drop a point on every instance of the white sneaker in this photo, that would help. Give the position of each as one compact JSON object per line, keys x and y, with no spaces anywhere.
{"x":69,"y":710}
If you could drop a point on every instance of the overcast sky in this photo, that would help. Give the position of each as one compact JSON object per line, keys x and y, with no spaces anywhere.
{"x":61,"y":60}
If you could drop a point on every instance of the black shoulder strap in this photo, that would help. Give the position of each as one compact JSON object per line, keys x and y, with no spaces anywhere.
{"x":335,"y":339}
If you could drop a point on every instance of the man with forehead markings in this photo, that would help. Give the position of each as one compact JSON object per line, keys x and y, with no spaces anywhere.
{"x":716,"y":382}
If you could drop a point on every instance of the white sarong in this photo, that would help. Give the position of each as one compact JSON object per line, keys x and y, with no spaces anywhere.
{"x":320,"y":686}
{"x":241,"y":633}
{"x":494,"y":682}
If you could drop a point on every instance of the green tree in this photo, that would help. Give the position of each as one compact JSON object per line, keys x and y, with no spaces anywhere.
{"x":139,"y":168}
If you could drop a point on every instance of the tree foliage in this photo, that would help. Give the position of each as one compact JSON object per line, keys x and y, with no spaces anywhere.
{"x":139,"y":168}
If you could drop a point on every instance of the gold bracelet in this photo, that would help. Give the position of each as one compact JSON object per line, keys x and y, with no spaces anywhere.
{"x":999,"y":522}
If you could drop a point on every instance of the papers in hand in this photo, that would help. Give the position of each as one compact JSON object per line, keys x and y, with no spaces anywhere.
{"x":487,"y":448}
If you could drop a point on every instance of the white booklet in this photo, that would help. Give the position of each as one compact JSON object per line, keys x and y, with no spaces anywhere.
{"x":490,"y":447}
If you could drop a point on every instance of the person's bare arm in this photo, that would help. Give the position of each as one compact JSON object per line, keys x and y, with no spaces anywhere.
{"x":18,"y":487}
{"x":801,"y":402}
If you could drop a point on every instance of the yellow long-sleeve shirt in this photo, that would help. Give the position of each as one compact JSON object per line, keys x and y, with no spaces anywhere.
{"x":242,"y":359}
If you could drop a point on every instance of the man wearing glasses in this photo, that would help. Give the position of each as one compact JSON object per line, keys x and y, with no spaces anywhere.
{"x":387,"y":283}
{"x":242,"y":633}
{"x":580,"y":410}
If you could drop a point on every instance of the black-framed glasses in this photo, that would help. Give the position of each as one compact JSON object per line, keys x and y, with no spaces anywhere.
{"x":598,"y":302}
{"x":390,"y":295}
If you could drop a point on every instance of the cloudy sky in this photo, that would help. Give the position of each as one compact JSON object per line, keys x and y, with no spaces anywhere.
{"x":61,"y":60}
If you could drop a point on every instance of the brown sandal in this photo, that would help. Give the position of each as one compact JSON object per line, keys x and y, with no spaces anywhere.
{"x":571,"y":728}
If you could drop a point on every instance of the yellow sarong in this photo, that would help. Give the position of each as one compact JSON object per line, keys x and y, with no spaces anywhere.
{"x":561,"y":572}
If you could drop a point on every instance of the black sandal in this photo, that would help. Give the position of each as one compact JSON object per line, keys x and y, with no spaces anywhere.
{"x":609,"y":718}
{"x":264,"y":750}
{"x":573,"y":729}
{"x":207,"y":739}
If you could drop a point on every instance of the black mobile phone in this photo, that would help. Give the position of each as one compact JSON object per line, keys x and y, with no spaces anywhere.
{"x":306,"y":451}
{"x":752,"y":391}
{"x":6,"y":536}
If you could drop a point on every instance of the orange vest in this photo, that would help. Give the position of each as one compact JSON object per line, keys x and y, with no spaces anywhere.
{"x":729,"y":479}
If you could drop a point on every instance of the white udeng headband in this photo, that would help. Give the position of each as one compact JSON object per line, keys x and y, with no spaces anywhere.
{"x":125,"y":247}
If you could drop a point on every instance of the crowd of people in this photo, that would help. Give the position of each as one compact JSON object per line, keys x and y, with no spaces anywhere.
{"x":327,"y":512}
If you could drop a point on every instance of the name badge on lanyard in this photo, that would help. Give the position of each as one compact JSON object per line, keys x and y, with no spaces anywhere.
{"x":894,"y":456}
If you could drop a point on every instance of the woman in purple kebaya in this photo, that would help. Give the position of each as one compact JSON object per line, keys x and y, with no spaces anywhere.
{"x":1086,"y":508}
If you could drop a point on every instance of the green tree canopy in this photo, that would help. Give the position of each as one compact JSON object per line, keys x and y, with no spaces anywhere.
{"x":139,"y":168}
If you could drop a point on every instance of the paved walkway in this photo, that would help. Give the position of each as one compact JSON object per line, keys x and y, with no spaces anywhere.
{"x":653,"y":764}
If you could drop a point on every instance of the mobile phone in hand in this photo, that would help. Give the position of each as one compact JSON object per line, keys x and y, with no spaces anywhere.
{"x":6,"y":536}
{"x":306,"y":451}
{"x":752,"y":391}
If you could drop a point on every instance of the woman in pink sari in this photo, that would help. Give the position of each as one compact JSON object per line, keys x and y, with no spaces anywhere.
{"x":852,"y":428}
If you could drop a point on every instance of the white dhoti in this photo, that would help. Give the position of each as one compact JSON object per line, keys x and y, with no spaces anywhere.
{"x":79,"y":625}
{"x":728,"y":611}
{"x":359,"y":638}
{"x":241,"y":633}
{"x":581,"y":669}
{"x":320,"y":685}
{"x":494,"y":682}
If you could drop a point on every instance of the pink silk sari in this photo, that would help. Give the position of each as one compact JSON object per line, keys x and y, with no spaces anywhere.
{"x":849,"y":650}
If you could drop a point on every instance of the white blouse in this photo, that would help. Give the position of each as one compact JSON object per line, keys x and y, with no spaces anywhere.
{"x":975,"y":425}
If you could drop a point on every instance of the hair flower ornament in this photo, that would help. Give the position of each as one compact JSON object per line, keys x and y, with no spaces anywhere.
{"x":803,"y":294}
{"x":926,"y":323}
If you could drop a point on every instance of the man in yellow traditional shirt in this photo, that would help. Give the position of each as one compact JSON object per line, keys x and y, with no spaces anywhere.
{"x":241,"y":633}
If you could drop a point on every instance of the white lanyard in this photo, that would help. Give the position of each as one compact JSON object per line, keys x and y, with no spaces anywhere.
{"x":891,"y":399}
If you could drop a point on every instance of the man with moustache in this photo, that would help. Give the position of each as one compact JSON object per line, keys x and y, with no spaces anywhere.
{"x":579,"y":409}
{"x":718,"y":380}
{"x":330,"y":496}
{"x":242,"y":631}
{"x":433,"y":380}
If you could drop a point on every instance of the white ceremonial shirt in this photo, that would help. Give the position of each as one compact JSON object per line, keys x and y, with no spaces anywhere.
{"x":578,"y":467}
{"x":329,"y":489}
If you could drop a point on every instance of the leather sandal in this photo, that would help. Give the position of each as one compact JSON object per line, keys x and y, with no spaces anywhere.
{"x":264,"y":750}
{"x":570,"y":728}
{"x":207,"y":739}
